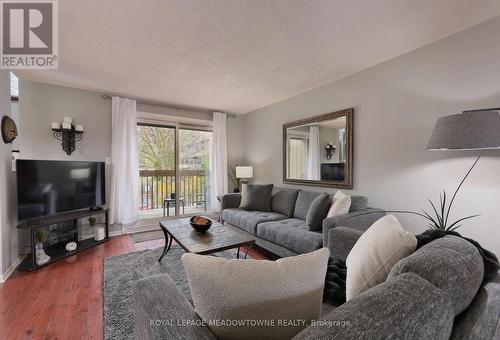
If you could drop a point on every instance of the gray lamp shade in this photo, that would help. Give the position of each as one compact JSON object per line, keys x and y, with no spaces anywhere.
{"x":467,"y":131}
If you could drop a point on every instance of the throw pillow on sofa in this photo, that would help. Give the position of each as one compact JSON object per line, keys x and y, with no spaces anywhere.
{"x":244,"y":292}
{"x":375,"y":253}
{"x":256,"y":197}
{"x":341,"y":203}
{"x":317,"y":212}
{"x":283,"y":200}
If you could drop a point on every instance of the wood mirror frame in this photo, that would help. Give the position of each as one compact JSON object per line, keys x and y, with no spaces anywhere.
{"x":347,"y":183}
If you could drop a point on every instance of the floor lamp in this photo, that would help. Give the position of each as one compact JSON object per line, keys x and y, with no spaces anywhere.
{"x":475,"y":130}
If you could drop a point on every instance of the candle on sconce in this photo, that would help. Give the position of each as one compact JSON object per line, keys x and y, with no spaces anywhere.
{"x":79,"y":128}
{"x":68,"y":120}
{"x":66,"y":126}
{"x":56,"y":126}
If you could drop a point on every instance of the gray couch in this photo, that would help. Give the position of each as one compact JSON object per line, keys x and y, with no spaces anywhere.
{"x":282,"y":231}
{"x":435,"y":293}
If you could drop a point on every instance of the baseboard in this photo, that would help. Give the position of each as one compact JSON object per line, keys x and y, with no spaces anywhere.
{"x":120,"y":232}
{"x":115,"y":233}
{"x":11,"y":269}
{"x":142,"y":229}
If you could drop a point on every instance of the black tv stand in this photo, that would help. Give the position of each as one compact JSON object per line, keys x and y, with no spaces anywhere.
{"x":57,"y":251}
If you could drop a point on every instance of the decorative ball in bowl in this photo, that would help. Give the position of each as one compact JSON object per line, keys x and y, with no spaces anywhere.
{"x":200,"y":223}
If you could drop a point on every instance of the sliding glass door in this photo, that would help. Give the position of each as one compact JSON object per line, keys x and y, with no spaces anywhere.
{"x":194,"y":170}
{"x":156,"y":170}
{"x":174,"y":170}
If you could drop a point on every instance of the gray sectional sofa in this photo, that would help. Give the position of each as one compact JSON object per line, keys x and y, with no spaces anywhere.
{"x":282,"y":231}
{"x":435,"y":293}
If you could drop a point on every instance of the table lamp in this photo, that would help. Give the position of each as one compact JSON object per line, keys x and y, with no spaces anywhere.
{"x":244,"y":173}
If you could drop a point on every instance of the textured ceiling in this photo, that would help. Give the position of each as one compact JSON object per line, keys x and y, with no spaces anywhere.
{"x":240,"y":55}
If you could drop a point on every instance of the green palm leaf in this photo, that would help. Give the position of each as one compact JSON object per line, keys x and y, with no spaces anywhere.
{"x":460,"y":220}
{"x":434,"y":222}
{"x":440,"y":219}
{"x":444,"y":216}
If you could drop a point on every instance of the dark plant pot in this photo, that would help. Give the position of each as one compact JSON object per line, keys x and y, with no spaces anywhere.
{"x":236,"y":190}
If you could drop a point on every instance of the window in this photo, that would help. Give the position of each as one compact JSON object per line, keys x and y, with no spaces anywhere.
{"x":194,"y":158}
{"x":297,"y":167}
{"x":156,"y":168}
{"x":159,"y":174}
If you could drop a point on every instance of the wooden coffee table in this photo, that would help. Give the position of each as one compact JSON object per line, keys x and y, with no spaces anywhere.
{"x":215,"y":239}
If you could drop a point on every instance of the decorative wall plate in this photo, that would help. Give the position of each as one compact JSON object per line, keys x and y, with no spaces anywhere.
{"x":9,"y":129}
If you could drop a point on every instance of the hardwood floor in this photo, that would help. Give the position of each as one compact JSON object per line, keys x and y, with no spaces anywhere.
{"x":64,"y":300}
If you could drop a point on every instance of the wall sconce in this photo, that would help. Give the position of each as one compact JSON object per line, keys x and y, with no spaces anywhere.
{"x":330,"y":149}
{"x":68,"y":134}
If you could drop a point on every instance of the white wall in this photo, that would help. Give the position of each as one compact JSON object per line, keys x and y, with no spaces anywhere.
{"x":396,"y":106}
{"x":8,"y":198}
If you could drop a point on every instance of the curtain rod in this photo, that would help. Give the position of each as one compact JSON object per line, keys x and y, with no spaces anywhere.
{"x":139,"y":101}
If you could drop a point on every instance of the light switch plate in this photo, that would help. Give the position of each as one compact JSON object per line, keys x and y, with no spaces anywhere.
{"x":15,"y":156}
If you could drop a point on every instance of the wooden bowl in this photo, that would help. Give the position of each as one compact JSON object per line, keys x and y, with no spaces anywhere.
{"x":200,"y":228}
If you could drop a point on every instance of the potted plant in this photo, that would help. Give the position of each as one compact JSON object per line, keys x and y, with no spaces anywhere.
{"x":92,"y":221}
{"x":232,"y":177}
{"x":42,"y":234}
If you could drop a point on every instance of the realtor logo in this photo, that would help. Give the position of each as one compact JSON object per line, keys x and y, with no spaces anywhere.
{"x":29,"y":34}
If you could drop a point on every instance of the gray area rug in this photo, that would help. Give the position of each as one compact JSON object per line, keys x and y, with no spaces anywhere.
{"x":122,"y":271}
{"x":120,"y":274}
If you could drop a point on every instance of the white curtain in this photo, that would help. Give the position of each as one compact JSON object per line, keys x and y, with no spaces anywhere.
{"x":218,"y":178}
{"x":313,"y":154}
{"x":124,"y":207}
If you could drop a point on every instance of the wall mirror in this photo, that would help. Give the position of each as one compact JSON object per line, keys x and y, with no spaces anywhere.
{"x":319,"y":150}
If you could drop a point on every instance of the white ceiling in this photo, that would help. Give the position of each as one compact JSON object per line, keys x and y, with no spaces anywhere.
{"x":240,"y":55}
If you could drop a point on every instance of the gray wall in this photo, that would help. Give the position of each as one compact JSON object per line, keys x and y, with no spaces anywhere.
{"x":396,"y":105}
{"x":8,"y":198}
{"x":235,"y":144}
{"x":40,"y":104}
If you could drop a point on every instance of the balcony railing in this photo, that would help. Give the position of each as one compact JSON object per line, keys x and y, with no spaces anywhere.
{"x":157,"y":185}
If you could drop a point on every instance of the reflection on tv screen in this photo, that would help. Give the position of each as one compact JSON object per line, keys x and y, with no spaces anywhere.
{"x":49,"y":187}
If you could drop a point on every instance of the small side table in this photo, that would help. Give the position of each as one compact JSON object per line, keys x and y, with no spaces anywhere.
{"x":167,"y":201}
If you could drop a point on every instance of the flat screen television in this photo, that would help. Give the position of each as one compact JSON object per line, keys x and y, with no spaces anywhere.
{"x":332,"y":171}
{"x":46,"y":188}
